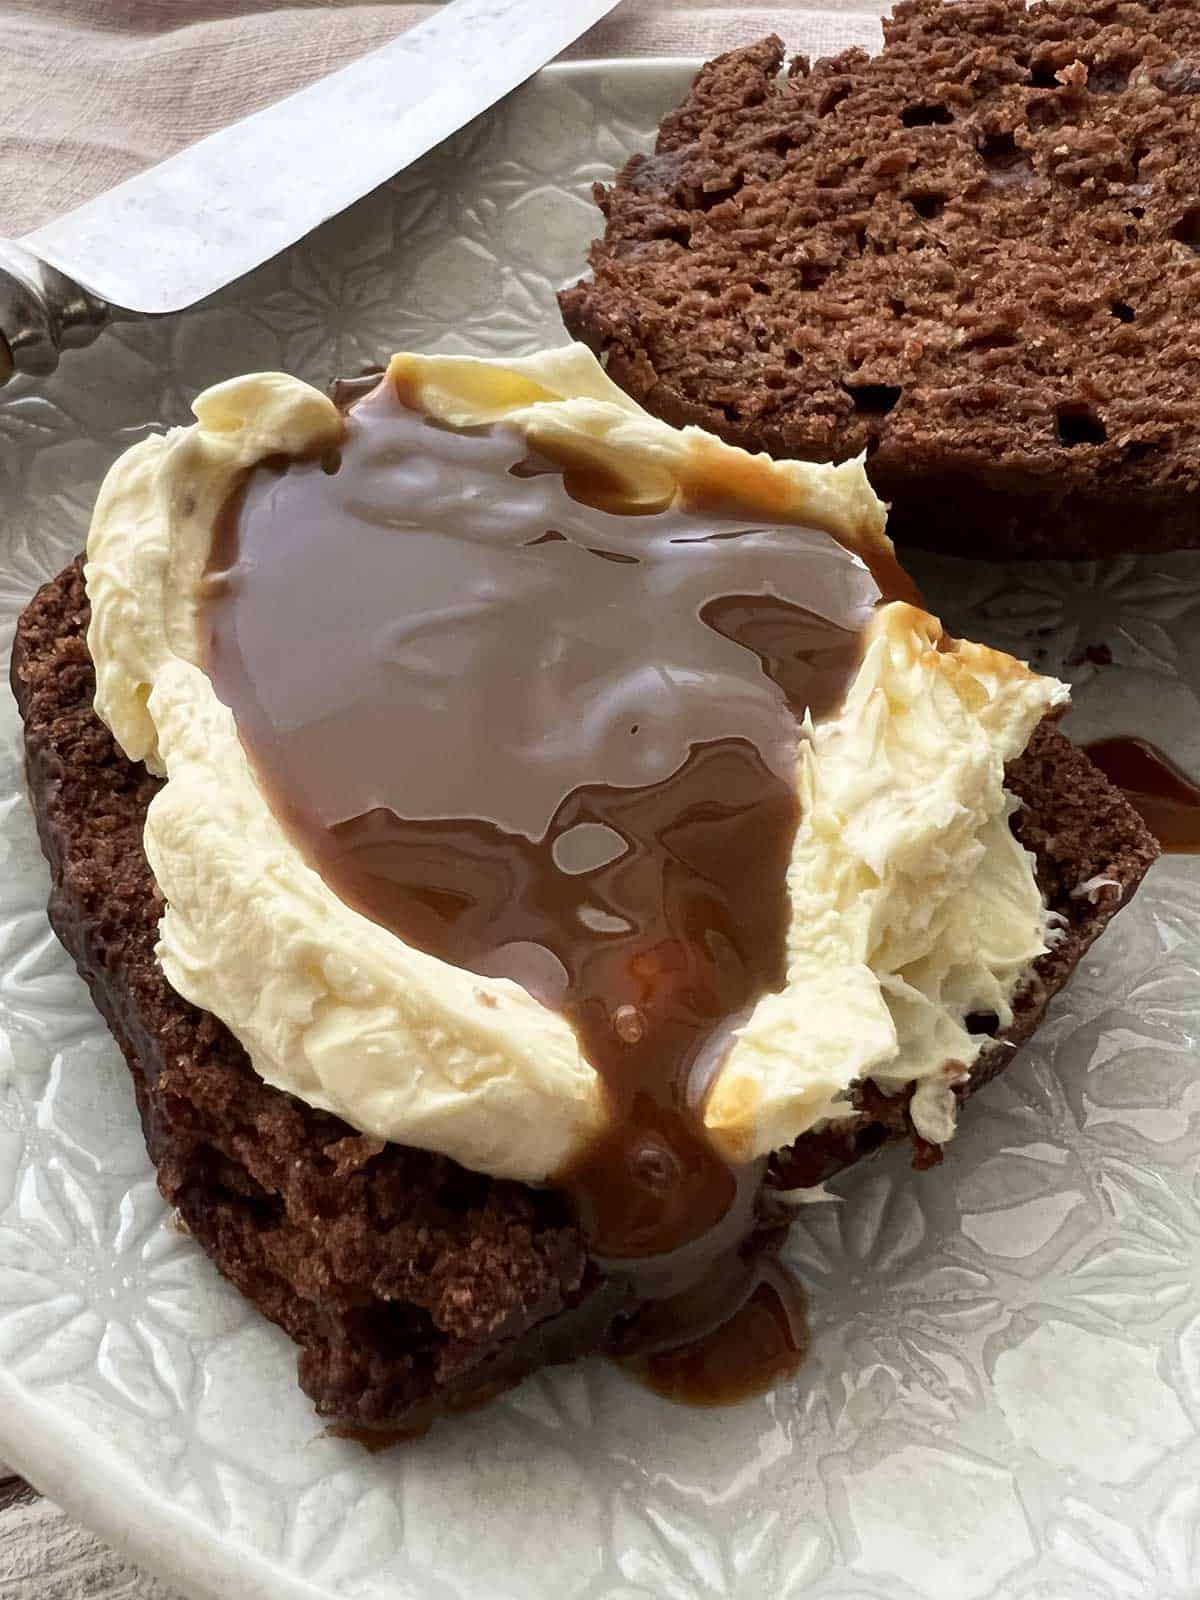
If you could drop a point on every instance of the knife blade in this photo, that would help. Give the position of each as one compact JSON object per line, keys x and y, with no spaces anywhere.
{"x":176,"y":233}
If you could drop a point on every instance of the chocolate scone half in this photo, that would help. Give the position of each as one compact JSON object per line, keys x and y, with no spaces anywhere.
{"x":750,"y":970}
{"x":972,"y":256}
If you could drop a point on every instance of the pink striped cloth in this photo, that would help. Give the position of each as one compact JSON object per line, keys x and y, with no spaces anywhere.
{"x":95,"y":90}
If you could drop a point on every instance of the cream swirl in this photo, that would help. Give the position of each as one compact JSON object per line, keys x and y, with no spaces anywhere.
{"x":912,"y":903}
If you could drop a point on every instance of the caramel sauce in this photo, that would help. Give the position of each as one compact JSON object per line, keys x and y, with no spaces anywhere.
{"x":747,"y":1353}
{"x":547,"y":730}
{"x":745,"y":485}
{"x":376,"y":1440}
{"x":1167,"y":800}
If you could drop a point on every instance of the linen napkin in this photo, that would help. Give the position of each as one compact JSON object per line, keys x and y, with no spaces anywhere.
{"x":93,"y":91}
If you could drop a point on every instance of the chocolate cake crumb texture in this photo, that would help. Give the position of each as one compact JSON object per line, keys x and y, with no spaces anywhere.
{"x":411,"y":1285}
{"x":975,"y":256}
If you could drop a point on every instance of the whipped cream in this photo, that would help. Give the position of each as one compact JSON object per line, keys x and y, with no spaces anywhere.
{"x":912,"y":904}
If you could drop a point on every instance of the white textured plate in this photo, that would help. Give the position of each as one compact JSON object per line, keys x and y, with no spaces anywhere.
{"x":1004,"y":1390}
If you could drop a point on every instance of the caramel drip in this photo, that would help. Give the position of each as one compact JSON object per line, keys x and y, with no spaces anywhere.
{"x":763,"y":1342}
{"x":1167,"y":800}
{"x":551,"y":736}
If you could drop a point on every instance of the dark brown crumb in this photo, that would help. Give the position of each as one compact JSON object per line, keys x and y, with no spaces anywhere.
{"x":975,"y":257}
{"x":411,"y":1285}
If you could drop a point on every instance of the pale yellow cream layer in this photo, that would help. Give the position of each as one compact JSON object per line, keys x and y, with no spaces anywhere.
{"x":912,"y":904}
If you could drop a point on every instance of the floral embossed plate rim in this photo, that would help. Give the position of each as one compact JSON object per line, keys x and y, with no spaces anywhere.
{"x":1004,"y":1393}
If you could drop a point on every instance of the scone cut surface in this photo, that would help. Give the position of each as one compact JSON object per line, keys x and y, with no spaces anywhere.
{"x":972,"y":256}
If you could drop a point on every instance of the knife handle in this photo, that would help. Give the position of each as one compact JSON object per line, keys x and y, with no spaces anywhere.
{"x":42,"y":312}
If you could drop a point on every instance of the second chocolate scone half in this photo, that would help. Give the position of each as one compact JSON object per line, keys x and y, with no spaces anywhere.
{"x":517,"y":845}
{"x":972,"y":256}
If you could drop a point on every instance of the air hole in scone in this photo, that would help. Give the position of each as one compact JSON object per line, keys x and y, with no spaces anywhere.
{"x":1043,"y":76}
{"x":813,"y":275}
{"x":982,"y":1022}
{"x":1123,"y":311}
{"x":1187,"y":229}
{"x":1044,"y":113}
{"x":928,"y":206}
{"x":793,"y":359}
{"x":831,"y":97}
{"x":1001,"y":152}
{"x":993,"y":338}
{"x":925,"y":116}
{"x":873,"y":399}
{"x":1079,"y":423}
{"x":710,"y":199}
{"x":1108,"y":78}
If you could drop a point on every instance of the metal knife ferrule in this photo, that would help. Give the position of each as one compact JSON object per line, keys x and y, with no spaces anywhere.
{"x":42,"y":312}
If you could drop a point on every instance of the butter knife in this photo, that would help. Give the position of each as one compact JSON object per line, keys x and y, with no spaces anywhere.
{"x":183,"y":229}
